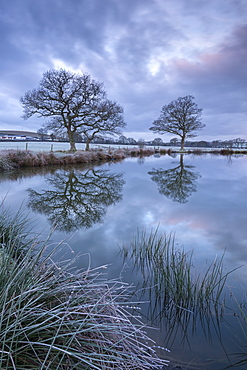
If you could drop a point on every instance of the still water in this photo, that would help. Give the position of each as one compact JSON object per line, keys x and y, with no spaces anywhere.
{"x":198,"y":200}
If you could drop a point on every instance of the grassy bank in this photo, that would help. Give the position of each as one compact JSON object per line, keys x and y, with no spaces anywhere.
{"x":55,"y":318}
{"x":15,"y":159}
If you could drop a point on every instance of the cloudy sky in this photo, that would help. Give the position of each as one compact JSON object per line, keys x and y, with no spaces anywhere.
{"x":146,"y":52}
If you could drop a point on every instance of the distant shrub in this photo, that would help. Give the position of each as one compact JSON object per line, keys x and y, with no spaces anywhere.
{"x":169,"y":151}
{"x":226,"y":151}
{"x":163,"y":151}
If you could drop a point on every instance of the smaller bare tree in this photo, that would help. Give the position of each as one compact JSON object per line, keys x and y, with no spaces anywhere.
{"x":181,"y":117}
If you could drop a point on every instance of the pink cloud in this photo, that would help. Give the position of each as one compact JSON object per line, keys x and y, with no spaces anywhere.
{"x":230,"y":59}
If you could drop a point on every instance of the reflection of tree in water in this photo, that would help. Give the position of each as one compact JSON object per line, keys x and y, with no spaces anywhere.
{"x":177,"y":183}
{"x":77,"y":199}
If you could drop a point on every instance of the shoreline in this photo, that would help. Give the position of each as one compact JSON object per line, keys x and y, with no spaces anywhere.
{"x":12,"y":159}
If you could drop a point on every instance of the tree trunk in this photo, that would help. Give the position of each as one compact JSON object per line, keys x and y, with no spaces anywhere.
{"x":72,"y":146}
{"x":182,"y":143}
{"x":87,"y":144}
{"x":71,"y":141}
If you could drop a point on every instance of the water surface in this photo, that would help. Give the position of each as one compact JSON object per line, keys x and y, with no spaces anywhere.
{"x":201,"y":200}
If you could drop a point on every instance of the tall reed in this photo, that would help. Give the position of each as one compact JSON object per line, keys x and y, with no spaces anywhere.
{"x":170,"y":275}
{"x":239,"y":359}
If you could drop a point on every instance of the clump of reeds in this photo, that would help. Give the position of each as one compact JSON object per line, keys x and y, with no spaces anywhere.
{"x":15,"y":159}
{"x":196,"y":151}
{"x":169,"y":271}
{"x":137,"y":152}
{"x":164,"y":151}
{"x":240,"y":313}
{"x":147,"y":151}
{"x":227,"y":151}
{"x":6,"y":164}
{"x":11,"y":159}
{"x":25,"y":158}
{"x":54,"y":318}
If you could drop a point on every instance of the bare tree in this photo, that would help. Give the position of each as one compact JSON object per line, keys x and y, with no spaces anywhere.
{"x":42,"y":132}
{"x":75,"y":103}
{"x":105,"y":118}
{"x":181,"y":117}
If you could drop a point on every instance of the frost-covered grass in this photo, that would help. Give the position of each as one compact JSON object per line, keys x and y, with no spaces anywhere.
{"x":53,"y":317}
{"x":14,"y":159}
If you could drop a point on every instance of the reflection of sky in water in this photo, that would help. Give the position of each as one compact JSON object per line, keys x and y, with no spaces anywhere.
{"x":213,"y":219}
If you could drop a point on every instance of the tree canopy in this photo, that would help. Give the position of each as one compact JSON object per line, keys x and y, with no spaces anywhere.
{"x":181,"y":117}
{"x":75,"y":104}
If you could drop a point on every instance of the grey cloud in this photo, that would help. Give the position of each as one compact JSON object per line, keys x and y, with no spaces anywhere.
{"x":144,"y":51}
{"x":220,"y":73}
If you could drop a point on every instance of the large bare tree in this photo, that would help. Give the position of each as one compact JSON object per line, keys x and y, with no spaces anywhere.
{"x":181,"y":117}
{"x":75,"y":104}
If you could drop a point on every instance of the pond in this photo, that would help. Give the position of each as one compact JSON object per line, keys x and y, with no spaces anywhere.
{"x":197,"y":203}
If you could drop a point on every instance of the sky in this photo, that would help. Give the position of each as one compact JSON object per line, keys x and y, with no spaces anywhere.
{"x":146,"y":52}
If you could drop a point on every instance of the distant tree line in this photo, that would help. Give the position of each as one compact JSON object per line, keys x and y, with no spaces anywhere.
{"x":123,"y":140}
{"x":158,"y":142}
